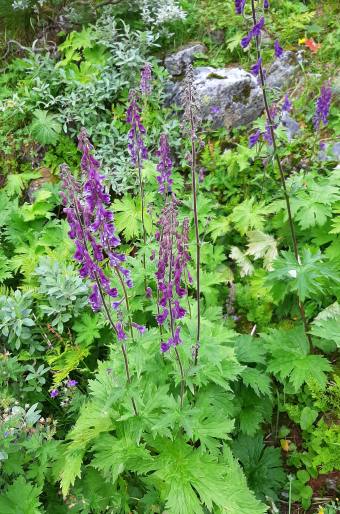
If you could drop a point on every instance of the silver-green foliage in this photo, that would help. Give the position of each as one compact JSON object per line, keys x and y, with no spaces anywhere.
{"x":64,"y":293}
{"x":16,"y":319}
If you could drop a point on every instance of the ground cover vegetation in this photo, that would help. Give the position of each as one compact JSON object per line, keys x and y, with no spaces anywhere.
{"x":169,"y":292}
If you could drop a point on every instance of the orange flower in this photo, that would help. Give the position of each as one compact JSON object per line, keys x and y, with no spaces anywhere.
{"x":313,"y":47}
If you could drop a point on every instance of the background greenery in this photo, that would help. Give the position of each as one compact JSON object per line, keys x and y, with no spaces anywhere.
{"x":269,"y":405}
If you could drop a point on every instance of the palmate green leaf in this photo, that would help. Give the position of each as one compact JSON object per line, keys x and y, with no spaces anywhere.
{"x":16,"y":183}
{"x":87,"y":328}
{"x":262,"y":246}
{"x":218,"y":227}
{"x":252,"y":410}
{"x":241,"y":259}
{"x":249,"y":350}
{"x":258,"y":380}
{"x":20,"y":497}
{"x":328,"y":329}
{"x":45,"y":128}
{"x":262,"y":465}
{"x":240,"y":498}
{"x":129,"y":215}
{"x":113,"y":456}
{"x":249,"y":215}
{"x":207,"y":426}
{"x":308,"y":278}
{"x":290,"y":358}
{"x":189,"y":479}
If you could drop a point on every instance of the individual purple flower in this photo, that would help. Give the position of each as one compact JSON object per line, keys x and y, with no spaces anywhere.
{"x":71,"y":383}
{"x":239,"y":6}
{"x":323,"y":104}
{"x":246,"y":40}
{"x":148,"y":292}
{"x":141,"y":329}
{"x":145,"y":79}
{"x":201,"y":175}
{"x":164,"y":166}
{"x":278,"y":49}
{"x":214,"y":109}
{"x":120,"y":331}
{"x":256,"y":30}
{"x":160,"y":318}
{"x":253,"y":139}
{"x":136,"y":147}
{"x":265,"y":4}
{"x":165,"y":346}
{"x":287,"y":104}
{"x":255,"y":69}
{"x":54,"y":393}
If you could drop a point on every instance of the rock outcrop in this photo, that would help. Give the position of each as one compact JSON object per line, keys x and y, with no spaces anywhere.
{"x":227,"y":97}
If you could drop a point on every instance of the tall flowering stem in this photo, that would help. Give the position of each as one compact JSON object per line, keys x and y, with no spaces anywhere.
{"x":271,"y":139}
{"x":191,"y":120}
{"x":171,"y":266}
{"x":93,"y":231}
{"x":138,"y":151}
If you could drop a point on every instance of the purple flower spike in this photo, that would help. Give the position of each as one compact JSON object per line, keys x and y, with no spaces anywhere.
{"x":253,"y":139}
{"x":164,"y":166}
{"x":239,"y":6}
{"x":71,"y":383}
{"x":246,"y":40}
{"x":54,"y":393}
{"x":86,"y":205}
{"x":136,"y":147}
{"x":255,"y":69}
{"x":323,"y":105}
{"x":287,"y":104}
{"x":256,"y":30}
{"x":166,"y":346}
{"x":145,"y":79}
{"x":278,"y":49}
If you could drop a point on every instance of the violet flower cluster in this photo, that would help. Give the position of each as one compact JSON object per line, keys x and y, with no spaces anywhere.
{"x":164,"y":166}
{"x":136,"y":146}
{"x":323,"y":105}
{"x":239,"y":6}
{"x":145,"y":79}
{"x":171,"y":268}
{"x":253,"y":33}
{"x":91,"y":225}
{"x":274,"y":114}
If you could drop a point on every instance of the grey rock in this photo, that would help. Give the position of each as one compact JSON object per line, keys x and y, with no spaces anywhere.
{"x":227,"y":97}
{"x":177,"y":62}
{"x":283,"y":71}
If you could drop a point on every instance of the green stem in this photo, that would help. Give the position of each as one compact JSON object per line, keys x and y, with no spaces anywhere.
{"x":282,"y":174}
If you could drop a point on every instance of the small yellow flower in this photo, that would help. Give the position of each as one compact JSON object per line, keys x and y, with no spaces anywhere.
{"x":321,"y":511}
{"x":302,"y":41}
